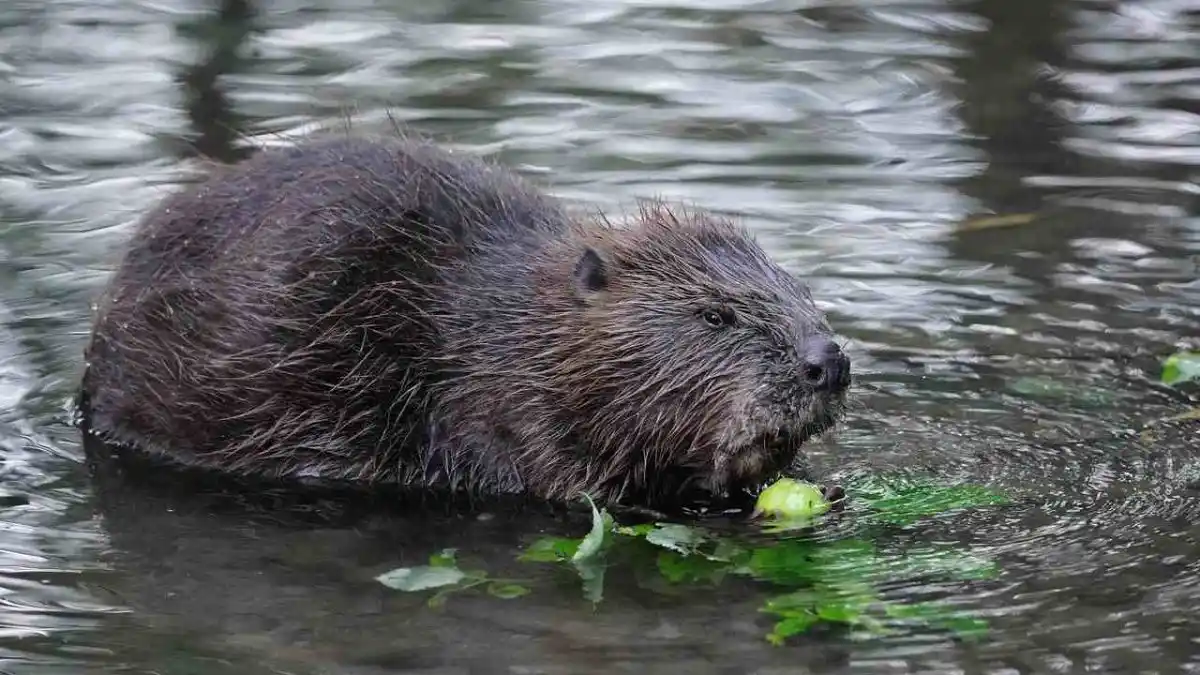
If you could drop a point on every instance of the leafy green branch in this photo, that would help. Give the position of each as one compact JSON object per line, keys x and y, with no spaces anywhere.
{"x":822,"y":582}
{"x":443,"y":573}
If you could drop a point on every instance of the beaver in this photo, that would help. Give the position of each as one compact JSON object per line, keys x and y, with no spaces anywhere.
{"x":384,"y":310}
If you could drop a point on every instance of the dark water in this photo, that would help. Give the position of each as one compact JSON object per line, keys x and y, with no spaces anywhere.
{"x":865,"y":141}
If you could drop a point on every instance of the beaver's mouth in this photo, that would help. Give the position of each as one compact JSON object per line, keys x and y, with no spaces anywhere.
{"x":787,"y":440}
{"x":739,"y":469}
{"x":772,"y":451}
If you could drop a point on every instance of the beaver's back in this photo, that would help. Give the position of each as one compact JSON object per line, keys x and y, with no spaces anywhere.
{"x":274,"y":318}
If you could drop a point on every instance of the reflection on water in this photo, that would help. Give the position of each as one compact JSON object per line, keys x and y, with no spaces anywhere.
{"x":995,"y":199}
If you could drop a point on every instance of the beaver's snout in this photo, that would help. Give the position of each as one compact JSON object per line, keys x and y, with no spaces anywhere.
{"x":825,"y":368}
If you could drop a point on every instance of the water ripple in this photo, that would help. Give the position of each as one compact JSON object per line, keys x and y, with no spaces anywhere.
{"x":994,"y":201}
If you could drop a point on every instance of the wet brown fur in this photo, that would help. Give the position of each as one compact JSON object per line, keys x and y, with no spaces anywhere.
{"x":383,"y":310}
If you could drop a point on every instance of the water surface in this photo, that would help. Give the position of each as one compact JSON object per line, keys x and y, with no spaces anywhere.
{"x":995,"y":201}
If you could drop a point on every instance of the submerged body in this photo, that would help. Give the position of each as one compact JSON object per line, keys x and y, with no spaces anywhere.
{"x":383,"y":310}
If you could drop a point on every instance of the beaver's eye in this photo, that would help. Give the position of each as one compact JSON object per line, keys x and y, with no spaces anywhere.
{"x":717,"y":317}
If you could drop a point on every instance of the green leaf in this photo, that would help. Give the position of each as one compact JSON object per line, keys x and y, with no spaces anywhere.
{"x":799,"y":562}
{"x":788,"y":564}
{"x":420,"y":578}
{"x":853,"y":594}
{"x":679,"y":568}
{"x":443,"y":559}
{"x":901,"y":501}
{"x":679,"y":538}
{"x":920,"y":611}
{"x":550,"y":549}
{"x":594,"y":541}
{"x":674,"y":567}
{"x":591,"y":571}
{"x":839,"y":613}
{"x":634,"y":530}
{"x":804,"y":600}
{"x":729,"y":552}
{"x":587,"y":559}
{"x":792,"y":625}
{"x":507,"y":591}
{"x":1181,"y":367}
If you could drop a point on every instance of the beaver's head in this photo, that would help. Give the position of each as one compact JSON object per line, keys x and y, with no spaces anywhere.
{"x":699,"y":362}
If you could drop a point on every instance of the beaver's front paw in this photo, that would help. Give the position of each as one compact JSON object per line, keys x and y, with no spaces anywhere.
{"x":835,"y":495}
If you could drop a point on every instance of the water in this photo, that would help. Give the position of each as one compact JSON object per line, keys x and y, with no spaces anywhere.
{"x":866,"y":142}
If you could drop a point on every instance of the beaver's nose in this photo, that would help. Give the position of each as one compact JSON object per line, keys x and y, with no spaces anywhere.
{"x":825,"y":367}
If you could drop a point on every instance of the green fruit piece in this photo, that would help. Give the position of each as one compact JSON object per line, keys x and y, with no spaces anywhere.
{"x":791,"y":498}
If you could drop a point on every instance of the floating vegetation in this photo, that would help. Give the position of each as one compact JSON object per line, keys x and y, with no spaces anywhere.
{"x":820,"y":581}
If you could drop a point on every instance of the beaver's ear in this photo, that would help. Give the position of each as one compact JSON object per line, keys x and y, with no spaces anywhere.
{"x":591,"y":272}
